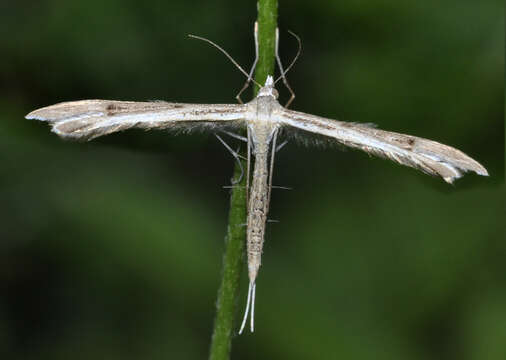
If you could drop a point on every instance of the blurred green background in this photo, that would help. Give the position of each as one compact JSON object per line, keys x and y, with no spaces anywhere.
{"x":112,"y":249}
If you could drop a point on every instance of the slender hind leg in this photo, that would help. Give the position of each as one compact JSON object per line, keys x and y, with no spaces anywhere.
{"x":271,"y":170}
{"x":236,"y":157}
{"x":235,"y":136}
{"x":280,"y":146}
{"x":251,"y":295}
{"x":252,"y":322}
{"x":248,"y":163}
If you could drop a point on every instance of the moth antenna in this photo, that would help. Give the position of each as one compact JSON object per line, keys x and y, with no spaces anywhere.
{"x":226,"y":54}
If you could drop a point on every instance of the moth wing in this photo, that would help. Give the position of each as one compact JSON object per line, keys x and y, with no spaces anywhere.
{"x":428,"y":156}
{"x":88,"y":119}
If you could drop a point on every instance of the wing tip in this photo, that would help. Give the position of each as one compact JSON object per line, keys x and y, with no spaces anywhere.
{"x":478,"y":169}
{"x":482,"y":171}
{"x":34,"y":116}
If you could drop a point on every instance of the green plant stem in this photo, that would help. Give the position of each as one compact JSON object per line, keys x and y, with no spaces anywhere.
{"x":267,"y":23}
{"x":226,"y":304}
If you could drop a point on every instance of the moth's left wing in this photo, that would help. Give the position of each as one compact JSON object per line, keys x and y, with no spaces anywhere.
{"x":88,"y":119}
{"x":428,"y":156}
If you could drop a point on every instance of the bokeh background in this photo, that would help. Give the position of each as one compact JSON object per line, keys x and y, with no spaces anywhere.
{"x":112,"y":249}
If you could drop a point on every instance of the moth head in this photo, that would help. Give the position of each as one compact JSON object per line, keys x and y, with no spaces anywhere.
{"x":268,"y":89}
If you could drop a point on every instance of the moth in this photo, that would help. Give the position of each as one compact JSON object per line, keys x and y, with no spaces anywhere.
{"x":264,"y":118}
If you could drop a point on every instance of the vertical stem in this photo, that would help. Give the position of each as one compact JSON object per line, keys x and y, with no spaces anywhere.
{"x":224,"y":325}
{"x":232,"y":264}
{"x":267,"y":23}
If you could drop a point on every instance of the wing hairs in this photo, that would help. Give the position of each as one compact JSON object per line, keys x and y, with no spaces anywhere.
{"x":89,"y":119}
{"x":428,"y":156}
{"x":312,"y":139}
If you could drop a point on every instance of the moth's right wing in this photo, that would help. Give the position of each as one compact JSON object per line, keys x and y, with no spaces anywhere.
{"x":426,"y":155}
{"x":88,"y":119}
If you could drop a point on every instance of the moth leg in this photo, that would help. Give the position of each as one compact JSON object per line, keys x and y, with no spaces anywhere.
{"x":271,"y":170}
{"x":252,"y":321}
{"x":235,"y":136}
{"x":246,"y":311}
{"x":280,"y":146}
{"x":281,"y":187}
{"x":283,"y":77}
{"x":250,"y":75}
{"x":248,"y":162}
{"x":236,"y":157}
